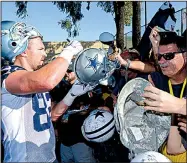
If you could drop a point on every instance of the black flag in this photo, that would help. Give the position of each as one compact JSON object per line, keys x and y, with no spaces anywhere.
{"x":164,"y":18}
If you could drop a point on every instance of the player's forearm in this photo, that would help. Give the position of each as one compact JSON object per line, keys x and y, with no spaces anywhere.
{"x":57,"y":110}
{"x":42,"y":80}
{"x":51,"y":74}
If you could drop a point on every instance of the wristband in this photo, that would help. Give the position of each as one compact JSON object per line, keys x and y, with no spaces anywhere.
{"x":128,"y":64}
{"x":69,"y":98}
{"x":174,"y":121}
{"x":66,"y":54}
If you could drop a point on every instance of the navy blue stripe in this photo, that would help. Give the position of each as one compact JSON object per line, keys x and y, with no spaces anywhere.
{"x":102,"y":134}
{"x":92,"y":132}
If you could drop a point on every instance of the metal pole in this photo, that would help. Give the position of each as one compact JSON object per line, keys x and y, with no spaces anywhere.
{"x":145,"y":15}
{"x":126,"y":41}
{"x":181,"y":21}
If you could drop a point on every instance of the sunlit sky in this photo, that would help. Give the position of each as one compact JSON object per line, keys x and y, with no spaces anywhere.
{"x":45,"y":16}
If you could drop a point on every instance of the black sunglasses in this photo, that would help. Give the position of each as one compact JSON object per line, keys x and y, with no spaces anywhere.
{"x":69,"y":71}
{"x":168,"y":56}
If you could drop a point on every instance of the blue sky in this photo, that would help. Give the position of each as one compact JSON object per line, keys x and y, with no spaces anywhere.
{"x":44,"y":16}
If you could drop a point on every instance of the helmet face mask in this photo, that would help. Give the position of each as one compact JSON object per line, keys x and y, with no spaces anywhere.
{"x":15,"y":38}
{"x":92,"y":66}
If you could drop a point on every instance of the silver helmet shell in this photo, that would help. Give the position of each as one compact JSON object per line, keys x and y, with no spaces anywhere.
{"x":92,"y":66}
{"x":14,"y":38}
{"x":98,"y":126}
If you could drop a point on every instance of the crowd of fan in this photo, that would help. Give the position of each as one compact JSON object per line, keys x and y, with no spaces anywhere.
{"x":170,"y":51}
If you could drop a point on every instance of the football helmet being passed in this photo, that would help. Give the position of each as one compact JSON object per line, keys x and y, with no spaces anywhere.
{"x":92,"y":66}
{"x":15,"y":37}
{"x":98,"y":126}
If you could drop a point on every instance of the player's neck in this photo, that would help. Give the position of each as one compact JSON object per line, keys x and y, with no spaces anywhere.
{"x":23,"y":63}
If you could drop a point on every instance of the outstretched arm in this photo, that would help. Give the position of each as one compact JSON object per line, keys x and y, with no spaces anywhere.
{"x":77,"y":89}
{"x":44,"y":79}
{"x":144,"y":67}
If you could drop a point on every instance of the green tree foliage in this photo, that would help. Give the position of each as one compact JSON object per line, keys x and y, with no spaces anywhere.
{"x":71,"y":9}
{"x":122,"y":12}
{"x":74,"y":15}
{"x":108,"y":7}
{"x":22,"y":9}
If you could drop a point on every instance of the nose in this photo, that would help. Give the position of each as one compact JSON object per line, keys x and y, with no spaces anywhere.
{"x":45,"y":54}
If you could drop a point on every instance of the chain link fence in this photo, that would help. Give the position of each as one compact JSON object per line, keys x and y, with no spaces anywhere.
{"x":179,"y":27}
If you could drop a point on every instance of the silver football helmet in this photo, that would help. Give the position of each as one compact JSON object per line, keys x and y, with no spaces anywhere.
{"x":92,"y":66}
{"x":14,"y":38}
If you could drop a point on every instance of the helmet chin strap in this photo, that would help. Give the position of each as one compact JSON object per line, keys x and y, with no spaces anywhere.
{"x":30,"y":34}
{"x":4,"y":32}
{"x":21,"y":44}
{"x":24,"y":32}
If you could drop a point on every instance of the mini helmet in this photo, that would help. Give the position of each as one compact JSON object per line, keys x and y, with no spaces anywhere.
{"x":92,"y":66}
{"x":150,"y":156}
{"x":98,"y":126}
{"x":15,"y":37}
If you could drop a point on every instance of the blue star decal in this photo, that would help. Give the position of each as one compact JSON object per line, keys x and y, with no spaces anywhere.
{"x":93,"y":62}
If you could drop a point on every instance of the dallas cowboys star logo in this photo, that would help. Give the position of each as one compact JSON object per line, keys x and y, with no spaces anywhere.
{"x":93,"y":62}
{"x":99,"y":113}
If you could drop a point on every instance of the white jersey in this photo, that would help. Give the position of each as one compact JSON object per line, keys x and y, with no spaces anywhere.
{"x":28,"y":133}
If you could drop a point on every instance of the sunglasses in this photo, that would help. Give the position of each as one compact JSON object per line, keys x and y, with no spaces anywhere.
{"x":69,"y":71}
{"x":168,"y":56}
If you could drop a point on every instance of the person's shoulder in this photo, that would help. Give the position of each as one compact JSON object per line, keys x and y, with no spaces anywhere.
{"x":143,"y":75}
{"x":158,"y":75}
{"x":6,"y":70}
{"x":10,"y":69}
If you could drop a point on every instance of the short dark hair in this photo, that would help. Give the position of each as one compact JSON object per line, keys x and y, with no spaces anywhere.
{"x":172,"y":38}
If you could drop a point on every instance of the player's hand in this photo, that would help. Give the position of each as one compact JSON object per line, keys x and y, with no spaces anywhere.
{"x":79,"y":88}
{"x":154,"y":37}
{"x":73,"y":48}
